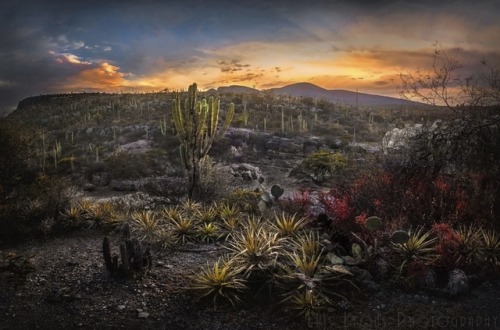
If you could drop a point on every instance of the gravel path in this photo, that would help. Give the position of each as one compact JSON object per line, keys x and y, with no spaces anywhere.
{"x":70,"y":288}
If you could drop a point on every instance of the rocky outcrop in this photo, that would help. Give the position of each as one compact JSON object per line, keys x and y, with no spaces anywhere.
{"x":399,"y":138}
{"x":262,"y":143}
{"x":245,"y":171}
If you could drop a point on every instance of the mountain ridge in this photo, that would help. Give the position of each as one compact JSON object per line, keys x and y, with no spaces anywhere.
{"x":306,"y":89}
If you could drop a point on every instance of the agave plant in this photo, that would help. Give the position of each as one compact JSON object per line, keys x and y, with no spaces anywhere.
{"x":418,"y":247}
{"x":100,"y":211}
{"x":230,"y":225}
{"x":114,"y":221}
{"x":171,"y":213}
{"x":255,"y":249}
{"x":308,"y":303}
{"x":145,"y":223}
{"x":72,"y":215}
{"x":469,"y":243}
{"x":310,"y":285}
{"x":288,"y":225}
{"x":86,"y":206}
{"x":208,"y":232}
{"x":31,"y":207}
{"x":165,"y":238}
{"x":220,"y":280}
{"x":490,"y":247}
{"x":190,"y":207}
{"x":254,"y":222}
{"x":228,"y":211}
{"x":207,"y":214}
{"x":308,"y":244}
{"x":183,"y":229}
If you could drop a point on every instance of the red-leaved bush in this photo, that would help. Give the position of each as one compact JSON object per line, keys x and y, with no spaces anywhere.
{"x":300,"y":203}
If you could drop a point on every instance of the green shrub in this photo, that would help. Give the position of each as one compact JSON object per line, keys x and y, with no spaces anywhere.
{"x":321,"y":164}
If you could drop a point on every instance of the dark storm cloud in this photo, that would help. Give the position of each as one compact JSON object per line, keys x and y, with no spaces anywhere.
{"x":133,"y":35}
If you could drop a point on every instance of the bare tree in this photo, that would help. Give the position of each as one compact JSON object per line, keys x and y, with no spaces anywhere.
{"x":469,"y":140}
{"x":443,"y":84}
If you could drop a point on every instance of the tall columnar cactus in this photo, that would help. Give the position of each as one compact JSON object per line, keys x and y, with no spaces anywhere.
{"x":135,"y":262}
{"x":196,"y":127}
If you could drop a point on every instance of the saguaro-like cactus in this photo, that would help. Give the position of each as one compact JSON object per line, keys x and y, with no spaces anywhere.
{"x":196,"y":126}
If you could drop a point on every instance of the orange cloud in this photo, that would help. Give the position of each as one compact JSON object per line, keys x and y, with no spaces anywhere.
{"x":104,"y":76}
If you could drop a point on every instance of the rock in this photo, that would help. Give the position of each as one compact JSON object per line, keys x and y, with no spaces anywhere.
{"x":235,"y":151}
{"x":348,"y":260}
{"x":143,"y":315}
{"x":399,"y":138}
{"x":88,"y":187}
{"x":246,"y":171}
{"x":361,"y":274}
{"x":428,"y":280}
{"x":310,"y":146}
{"x":121,"y":307}
{"x":458,"y":283}
{"x":334,"y":259}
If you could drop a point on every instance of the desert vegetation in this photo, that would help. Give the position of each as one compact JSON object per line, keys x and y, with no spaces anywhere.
{"x":304,"y":205}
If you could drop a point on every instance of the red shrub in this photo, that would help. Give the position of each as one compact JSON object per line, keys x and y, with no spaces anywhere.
{"x":299,"y":203}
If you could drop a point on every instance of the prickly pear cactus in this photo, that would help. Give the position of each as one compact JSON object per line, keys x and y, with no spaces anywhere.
{"x":277,"y":191}
{"x":399,"y":237}
{"x":373,"y":223}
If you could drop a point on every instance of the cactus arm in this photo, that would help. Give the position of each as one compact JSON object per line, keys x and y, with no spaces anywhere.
{"x":227,"y":121}
{"x":125,"y":259}
{"x":106,"y":250}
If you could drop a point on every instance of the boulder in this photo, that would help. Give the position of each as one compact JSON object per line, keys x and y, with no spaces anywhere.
{"x":245,"y":171}
{"x":428,"y":279}
{"x":458,"y":283}
{"x":399,"y":138}
{"x":123,"y":185}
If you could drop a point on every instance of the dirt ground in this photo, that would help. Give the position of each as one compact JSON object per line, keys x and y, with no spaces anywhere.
{"x":68,"y":287}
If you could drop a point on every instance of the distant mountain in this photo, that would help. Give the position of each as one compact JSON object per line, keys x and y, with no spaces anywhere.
{"x":337,"y":95}
{"x":237,"y":89}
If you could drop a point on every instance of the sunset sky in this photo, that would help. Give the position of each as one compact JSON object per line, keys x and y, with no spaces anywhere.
{"x":58,"y":46}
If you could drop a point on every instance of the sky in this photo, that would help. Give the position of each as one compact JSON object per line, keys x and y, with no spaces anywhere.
{"x":121,"y":46}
